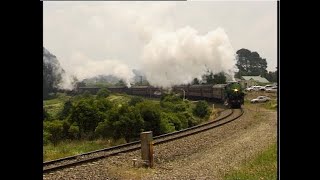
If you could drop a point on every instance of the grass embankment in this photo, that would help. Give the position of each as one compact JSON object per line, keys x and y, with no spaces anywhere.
{"x":263,"y":166}
{"x":69,"y":148}
{"x":54,"y":106}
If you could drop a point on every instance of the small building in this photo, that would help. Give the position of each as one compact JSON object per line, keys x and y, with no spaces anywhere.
{"x":247,"y":81}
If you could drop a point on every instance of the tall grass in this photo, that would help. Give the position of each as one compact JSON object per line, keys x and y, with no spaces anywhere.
{"x":264,"y":166}
{"x":272,"y":105}
{"x":74,"y":147}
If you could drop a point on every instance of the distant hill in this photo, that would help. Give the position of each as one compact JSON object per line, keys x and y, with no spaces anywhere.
{"x":112,"y":80}
{"x":104,"y":79}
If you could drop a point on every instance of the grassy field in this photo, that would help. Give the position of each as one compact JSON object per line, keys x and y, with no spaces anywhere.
{"x":264,"y":166}
{"x":69,"y":148}
{"x":54,"y":106}
{"x":270,"y":105}
{"x":119,"y":98}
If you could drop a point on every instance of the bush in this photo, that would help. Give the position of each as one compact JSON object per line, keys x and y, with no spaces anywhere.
{"x":46,"y":137}
{"x":74,"y":132}
{"x":86,"y":115}
{"x":103,"y":93}
{"x":66,"y":110}
{"x":54,"y":131}
{"x":46,"y":115}
{"x":150,"y":113}
{"x":122,"y":122}
{"x":165,"y":125}
{"x":104,"y":129}
{"x":135,"y":100}
{"x":201,"y":109}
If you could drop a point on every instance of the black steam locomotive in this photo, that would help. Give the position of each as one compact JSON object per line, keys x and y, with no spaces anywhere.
{"x":231,"y":94}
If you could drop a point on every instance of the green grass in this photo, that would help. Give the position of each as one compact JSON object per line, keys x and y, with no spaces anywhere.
{"x":119,"y":98}
{"x":55,"y":105}
{"x":54,"y":109}
{"x":264,"y":166}
{"x":52,"y":102}
{"x":69,"y":148}
{"x":272,"y":105}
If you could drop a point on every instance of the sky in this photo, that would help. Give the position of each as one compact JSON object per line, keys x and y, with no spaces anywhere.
{"x":89,"y":38}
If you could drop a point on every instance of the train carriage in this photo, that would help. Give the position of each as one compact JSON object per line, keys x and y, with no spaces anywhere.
{"x":230,"y":93}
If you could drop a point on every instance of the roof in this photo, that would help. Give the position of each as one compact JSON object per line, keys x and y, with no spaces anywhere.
{"x":256,"y":78}
{"x":237,"y":79}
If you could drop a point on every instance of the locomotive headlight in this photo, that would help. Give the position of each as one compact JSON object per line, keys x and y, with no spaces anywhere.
{"x":236,"y":90}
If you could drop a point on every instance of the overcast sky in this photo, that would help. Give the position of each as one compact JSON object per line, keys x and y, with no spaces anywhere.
{"x":81,"y":32}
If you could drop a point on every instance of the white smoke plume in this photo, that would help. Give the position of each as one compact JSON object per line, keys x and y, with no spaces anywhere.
{"x":172,"y":58}
{"x":169,"y":55}
{"x":83,"y":67}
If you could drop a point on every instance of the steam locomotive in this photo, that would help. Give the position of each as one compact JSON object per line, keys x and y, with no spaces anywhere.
{"x":231,"y":94}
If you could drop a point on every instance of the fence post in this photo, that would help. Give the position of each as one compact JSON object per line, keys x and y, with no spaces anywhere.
{"x":147,"y":148}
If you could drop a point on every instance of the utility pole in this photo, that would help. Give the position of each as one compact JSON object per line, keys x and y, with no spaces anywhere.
{"x":141,"y":80}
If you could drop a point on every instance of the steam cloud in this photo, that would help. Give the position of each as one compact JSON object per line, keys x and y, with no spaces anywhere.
{"x":84,"y":67}
{"x":169,"y":55}
{"x":169,"y":58}
{"x":172,"y":58}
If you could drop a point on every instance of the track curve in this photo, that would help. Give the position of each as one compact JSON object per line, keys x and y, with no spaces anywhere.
{"x":61,"y":163}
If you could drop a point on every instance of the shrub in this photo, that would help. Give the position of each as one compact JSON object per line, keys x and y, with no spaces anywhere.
{"x":54,"y":130}
{"x":201,"y":109}
{"x":103,"y":93}
{"x":74,"y":132}
{"x":135,"y":100}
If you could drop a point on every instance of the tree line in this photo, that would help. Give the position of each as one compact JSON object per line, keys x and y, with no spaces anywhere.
{"x":251,"y":64}
{"x":88,"y":116}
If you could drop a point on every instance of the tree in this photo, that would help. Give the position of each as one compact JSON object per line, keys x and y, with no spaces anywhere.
{"x":53,"y":131}
{"x":195,"y":81}
{"x":86,"y":115}
{"x":52,"y":73}
{"x":250,"y":64}
{"x":122,"y":122}
{"x":73,"y":131}
{"x":219,"y":78}
{"x":165,"y":125}
{"x":201,"y":109}
{"x":272,"y":76}
{"x":120,"y":83}
{"x":135,"y":100}
{"x":103,"y":93}
{"x":150,"y":113}
{"x":210,"y":78}
{"x":65,"y":110}
{"x":46,"y":115}
{"x":87,"y":94}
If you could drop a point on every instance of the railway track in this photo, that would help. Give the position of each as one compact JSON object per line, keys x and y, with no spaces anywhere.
{"x":54,"y":165}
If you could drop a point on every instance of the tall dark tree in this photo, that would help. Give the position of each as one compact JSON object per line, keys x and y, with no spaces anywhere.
{"x":272,"y":76}
{"x":120,"y":83}
{"x":65,"y":110}
{"x":210,"y":78}
{"x":219,"y":78}
{"x":250,"y":64}
{"x":195,"y":81}
{"x":150,"y":113}
{"x":52,"y":73}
